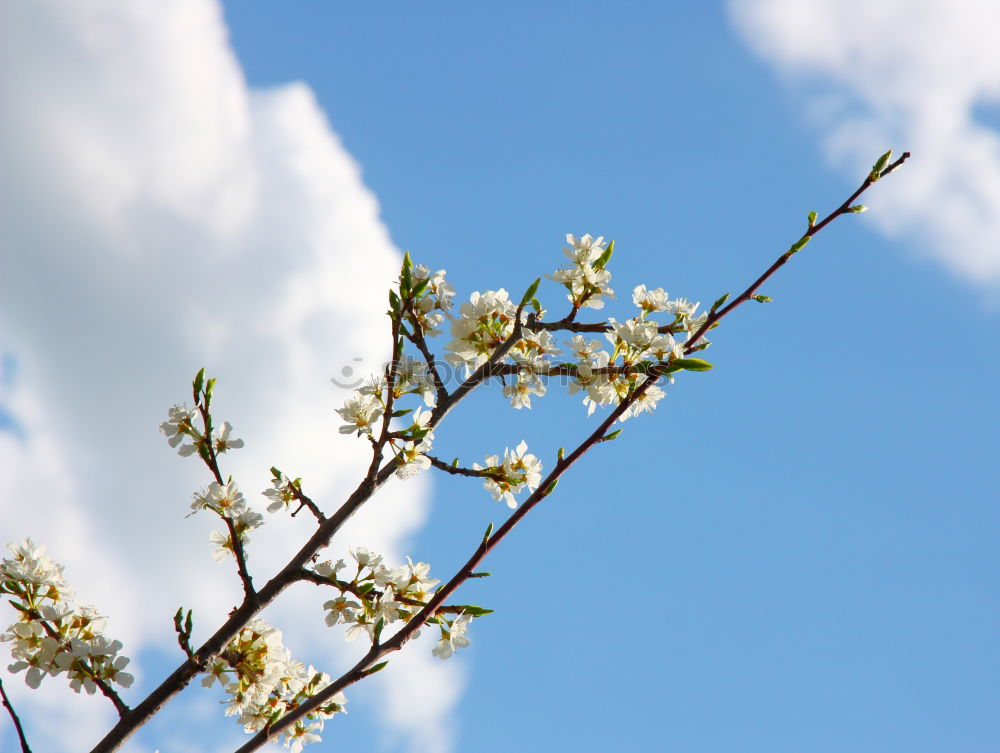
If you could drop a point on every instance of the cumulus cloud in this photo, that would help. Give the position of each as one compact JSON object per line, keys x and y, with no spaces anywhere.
{"x":158,"y":215}
{"x":924,"y":77}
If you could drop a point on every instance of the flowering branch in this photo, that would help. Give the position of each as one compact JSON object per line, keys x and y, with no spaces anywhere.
{"x":274,"y":695}
{"x":366,"y":664}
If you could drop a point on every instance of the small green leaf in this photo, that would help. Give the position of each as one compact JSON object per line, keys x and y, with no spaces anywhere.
{"x":479,"y":575}
{"x":881,"y":163}
{"x":377,"y":668}
{"x":857,"y":209}
{"x":454,"y":463}
{"x":691,"y":364}
{"x":551,"y":488}
{"x":406,"y":276}
{"x":378,"y":629}
{"x":812,"y":218}
{"x":209,"y":388}
{"x":177,"y":619}
{"x":529,"y":294}
{"x":799,"y":244}
{"x":561,"y":454}
{"x":761,"y":298}
{"x":602,"y":262}
{"x":613,"y":435}
{"x":420,"y":287}
{"x":489,"y":532}
{"x":476,"y":611}
{"x":366,"y":587}
{"x":394,"y":301}
{"x":401,"y":412}
{"x":718,"y":303}
{"x":199,"y":380}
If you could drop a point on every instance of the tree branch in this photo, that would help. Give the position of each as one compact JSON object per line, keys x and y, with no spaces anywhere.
{"x":17,"y":722}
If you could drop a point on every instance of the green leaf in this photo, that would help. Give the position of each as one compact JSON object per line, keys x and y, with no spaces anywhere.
{"x":881,"y":163}
{"x":602,"y":262}
{"x":377,"y":668}
{"x":761,"y":298}
{"x":394,"y":301}
{"x":420,"y":288}
{"x":857,"y":209}
{"x":406,"y":276}
{"x":479,"y":575}
{"x":718,"y":303}
{"x":476,"y":611}
{"x":378,"y":629}
{"x":530,"y":293}
{"x":613,"y":435}
{"x":199,"y":380}
{"x":551,"y":488}
{"x":209,"y":388}
{"x":799,"y":244}
{"x":177,"y":619}
{"x":691,"y":364}
{"x":561,"y":454}
{"x":366,"y":587}
{"x":401,"y":412}
{"x":188,"y":624}
{"x":812,"y":218}
{"x":489,"y":532}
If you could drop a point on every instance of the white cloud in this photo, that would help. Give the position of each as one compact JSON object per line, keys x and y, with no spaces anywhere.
{"x":911,"y":75}
{"x":159,"y":216}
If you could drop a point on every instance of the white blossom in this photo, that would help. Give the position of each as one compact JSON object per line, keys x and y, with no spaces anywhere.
{"x":360,"y":412}
{"x":178,"y":427}
{"x":455,"y":638}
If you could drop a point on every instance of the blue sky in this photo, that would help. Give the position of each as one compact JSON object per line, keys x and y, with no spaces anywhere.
{"x":795,"y":553}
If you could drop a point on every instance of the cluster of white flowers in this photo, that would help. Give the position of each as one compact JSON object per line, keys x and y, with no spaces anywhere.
{"x":412,"y":379}
{"x":180,"y":426}
{"x":683,"y":310}
{"x":607,"y":378}
{"x":485,"y":322}
{"x":434,"y":304}
{"x":264,"y":683}
{"x":585,"y":276}
{"x":376,"y":593}
{"x":227,"y":501}
{"x":519,"y":470}
{"x":53,"y":634}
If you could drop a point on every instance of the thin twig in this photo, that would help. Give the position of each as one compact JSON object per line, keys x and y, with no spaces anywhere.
{"x":456,"y":470}
{"x":305,"y":501}
{"x":745,"y":296}
{"x":17,"y":722}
